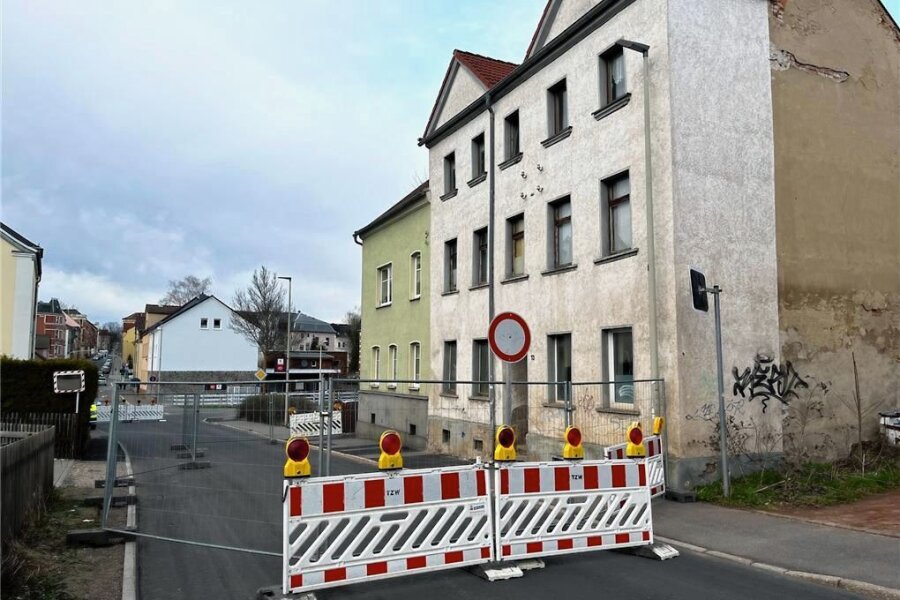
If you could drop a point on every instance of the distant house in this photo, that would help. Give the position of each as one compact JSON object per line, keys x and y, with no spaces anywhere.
{"x":317,"y":349}
{"x":20,"y":270}
{"x":86,"y":342}
{"x":196,"y":343}
{"x":131,"y":326}
{"x":153,"y":313}
{"x":58,"y":331}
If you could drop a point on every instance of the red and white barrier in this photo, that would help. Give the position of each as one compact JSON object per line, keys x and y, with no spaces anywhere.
{"x":347,"y":529}
{"x":656,"y":472}
{"x":551,"y":508}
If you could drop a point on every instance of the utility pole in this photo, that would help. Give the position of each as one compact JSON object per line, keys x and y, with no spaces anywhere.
{"x":287,"y":351}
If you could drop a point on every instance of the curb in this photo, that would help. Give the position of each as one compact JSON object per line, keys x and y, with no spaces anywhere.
{"x":129,"y":567}
{"x":853,"y":585}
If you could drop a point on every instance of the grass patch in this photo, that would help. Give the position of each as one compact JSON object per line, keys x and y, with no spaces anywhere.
{"x":814,"y":484}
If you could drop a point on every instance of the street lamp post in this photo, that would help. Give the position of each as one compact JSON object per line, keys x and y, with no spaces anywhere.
{"x":644,"y":49}
{"x":287,"y":352}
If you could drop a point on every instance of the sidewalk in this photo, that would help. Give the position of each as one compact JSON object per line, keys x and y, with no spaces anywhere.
{"x":782,"y":542}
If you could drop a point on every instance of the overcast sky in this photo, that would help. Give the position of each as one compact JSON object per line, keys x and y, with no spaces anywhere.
{"x":147,"y":140}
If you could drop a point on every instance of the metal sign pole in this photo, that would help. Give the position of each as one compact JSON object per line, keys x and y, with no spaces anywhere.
{"x":77,"y":401}
{"x":723,"y":425}
{"x":321,"y":421}
{"x":507,"y":393}
{"x":111,"y":456}
{"x":330,"y":426}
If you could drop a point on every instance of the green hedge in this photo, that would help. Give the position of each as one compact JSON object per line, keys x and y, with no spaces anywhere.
{"x":27,"y":387}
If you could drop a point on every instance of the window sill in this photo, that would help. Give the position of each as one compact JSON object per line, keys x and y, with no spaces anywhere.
{"x":479,"y":398}
{"x":510,"y":161}
{"x":476,"y":180}
{"x":558,"y":137}
{"x":557,"y":270}
{"x":392,"y":386}
{"x":478,"y":286}
{"x":514,"y":278}
{"x":415,"y":298}
{"x":618,"y":411}
{"x":374,"y":386}
{"x":449,"y":395}
{"x":617,"y":256}
{"x":383,"y":305}
{"x":612,"y":107}
{"x":557,"y":405}
{"x":449,"y":292}
{"x":413,"y":387}
{"x":449,"y":195}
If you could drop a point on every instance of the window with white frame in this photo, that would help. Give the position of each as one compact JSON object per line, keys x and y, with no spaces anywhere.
{"x":449,"y":367}
{"x":612,"y":76}
{"x":616,"y":211}
{"x":559,"y":366}
{"x":415,"y":362}
{"x":480,"y":257}
{"x":619,"y":365}
{"x":376,"y":362}
{"x":450,"y":266}
{"x":392,"y":356}
{"x":415,"y":268}
{"x":481,"y":364}
{"x":385,"y":284}
{"x":560,"y":238}
{"x":204,"y":323}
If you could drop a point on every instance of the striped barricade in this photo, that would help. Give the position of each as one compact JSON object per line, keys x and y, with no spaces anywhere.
{"x":550,"y":508}
{"x":348,"y":529}
{"x":307,"y":424}
{"x":132,"y":412}
{"x":656,"y":468}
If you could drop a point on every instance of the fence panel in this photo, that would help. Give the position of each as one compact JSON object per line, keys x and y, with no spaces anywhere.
{"x":66,"y":438}
{"x":26,"y":464}
{"x":604,"y":410}
{"x":656,"y":466}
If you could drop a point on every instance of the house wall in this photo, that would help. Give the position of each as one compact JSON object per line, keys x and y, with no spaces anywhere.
{"x":17,"y":301}
{"x":128,"y":339}
{"x":180,"y":344}
{"x":836,"y":106}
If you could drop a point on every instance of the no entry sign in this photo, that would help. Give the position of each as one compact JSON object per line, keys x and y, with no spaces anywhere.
{"x":509,"y":337}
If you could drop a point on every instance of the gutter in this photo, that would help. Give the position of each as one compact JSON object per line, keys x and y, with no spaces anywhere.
{"x":491,"y":237}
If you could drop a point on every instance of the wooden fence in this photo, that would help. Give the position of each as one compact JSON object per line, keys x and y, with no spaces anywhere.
{"x":67,"y":440}
{"x":26,"y":464}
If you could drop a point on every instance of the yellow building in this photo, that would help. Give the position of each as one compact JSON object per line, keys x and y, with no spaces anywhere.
{"x":20,"y":273}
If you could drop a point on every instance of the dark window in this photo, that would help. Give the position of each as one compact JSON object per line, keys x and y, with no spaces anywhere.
{"x":480,"y":256}
{"x":445,"y":436}
{"x":204,"y":323}
{"x":371,"y":417}
{"x":217,"y":323}
{"x":559,"y":363}
{"x":481,"y":361}
{"x":478,"y":156}
{"x":561,"y":238}
{"x":617,"y":196}
{"x":515,"y":250}
{"x":412,"y":429}
{"x":449,"y":367}
{"x":450,"y":270}
{"x":511,"y":148}
{"x":612,"y":76}
{"x":450,"y":173}
{"x":557,"y":108}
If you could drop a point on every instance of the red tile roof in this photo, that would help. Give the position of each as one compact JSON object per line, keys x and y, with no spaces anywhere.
{"x":488,"y":70}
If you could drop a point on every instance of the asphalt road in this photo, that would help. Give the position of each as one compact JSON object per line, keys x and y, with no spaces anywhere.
{"x":237,"y":502}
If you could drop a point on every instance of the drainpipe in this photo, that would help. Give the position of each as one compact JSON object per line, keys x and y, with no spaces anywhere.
{"x":491,"y":238}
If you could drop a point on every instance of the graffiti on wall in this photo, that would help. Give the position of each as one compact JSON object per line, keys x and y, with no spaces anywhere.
{"x":768,"y":380}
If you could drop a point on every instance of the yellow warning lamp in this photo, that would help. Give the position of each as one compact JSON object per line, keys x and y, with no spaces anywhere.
{"x":297,"y":463}
{"x":659,"y":424}
{"x":505,"y":449}
{"x":573,"y":449}
{"x":635,"y":446}
{"x":390,"y":451}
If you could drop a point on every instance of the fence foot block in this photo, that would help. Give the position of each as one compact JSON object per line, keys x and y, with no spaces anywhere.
{"x":655,"y":551}
{"x":194,"y":465}
{"x":530,"y":564}
{"x":119,"y":482}
{"x":681,"y":496}
{"x":499,"y":571}
{"x":201,"y":452}
{"x":95,"y":537}
{"x":274,"y":593}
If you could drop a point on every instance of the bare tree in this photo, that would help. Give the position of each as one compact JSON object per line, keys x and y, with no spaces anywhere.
{"x":184,"y":290}
{"x":354,"y":320}
{"x":259,"y":307}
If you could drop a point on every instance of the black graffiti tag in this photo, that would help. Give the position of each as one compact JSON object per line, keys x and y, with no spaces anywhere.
{"x":768,"y":380}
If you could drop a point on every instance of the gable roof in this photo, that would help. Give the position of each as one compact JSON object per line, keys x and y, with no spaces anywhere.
{"x":543,"y":24}
{"x":488,"y":71}
{"x":305,"y":323}
{"x":26,"y":244}
{"x":162,"y":309}
{"x":178,"y":310}
{"x":404,"y":203}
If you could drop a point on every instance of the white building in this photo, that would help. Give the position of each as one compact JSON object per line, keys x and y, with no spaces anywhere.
{"x":540,"y":170}
{"x":197,"y":343}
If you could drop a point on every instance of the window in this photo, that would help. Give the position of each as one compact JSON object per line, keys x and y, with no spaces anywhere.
{"x":412,"y":429}
{"x":612,"y":76}
{"x":511,"y":136}
{"x":480,"y":257}
{"x":415,"y":268}
{"x":450,"y":367}
{"x":617,"y":214}
{"x":481,"y":360}
{"x":450,"y":173}
{"x":392,"y":356}
{"x":385,"y":285}
{"x":376,"y":362}
{"x":217,"y":323}
{"x":619,"y":367}
{"x":204,"y":323}
{"x":559,"y":364}
{"x":561,"y":234}
{"x":515,"y":246}
{"x":445,"y":436}
{"x":478,"y":156}
{"x":557,"y":109}
{"x":450,"y":271}
{"x":415,"y":362}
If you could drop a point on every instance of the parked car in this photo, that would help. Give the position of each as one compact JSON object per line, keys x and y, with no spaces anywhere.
{"x":101,"y":381}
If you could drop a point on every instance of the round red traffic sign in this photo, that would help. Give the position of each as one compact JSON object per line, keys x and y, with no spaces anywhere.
{"x":509,"y":337}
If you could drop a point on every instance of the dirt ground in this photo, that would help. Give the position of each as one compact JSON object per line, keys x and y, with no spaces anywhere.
{"x":876,"y":514}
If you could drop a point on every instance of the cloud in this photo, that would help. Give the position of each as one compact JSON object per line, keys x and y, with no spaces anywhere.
{"x":95,"y":295}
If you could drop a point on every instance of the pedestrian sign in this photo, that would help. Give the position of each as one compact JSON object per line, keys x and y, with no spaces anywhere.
{"x":260,"y":374}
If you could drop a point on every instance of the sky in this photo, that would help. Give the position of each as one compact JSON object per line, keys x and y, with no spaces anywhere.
{"x":146,"y":141}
